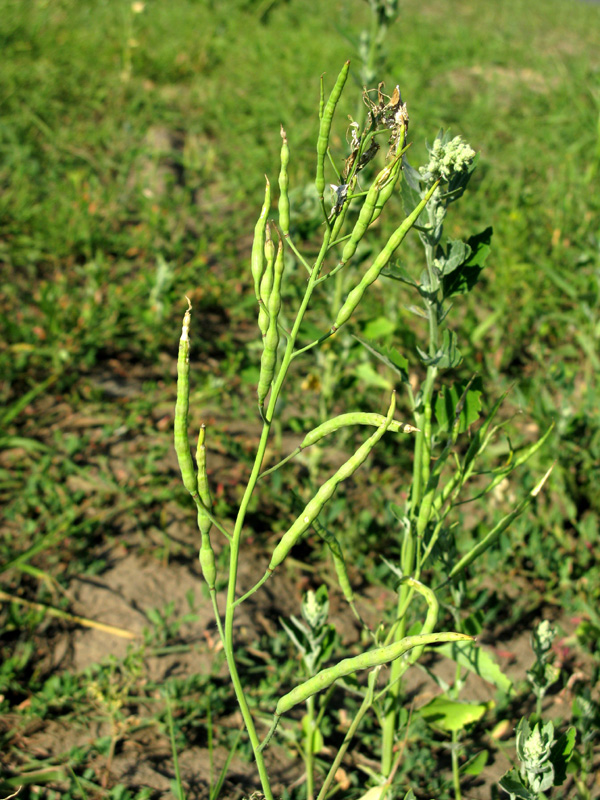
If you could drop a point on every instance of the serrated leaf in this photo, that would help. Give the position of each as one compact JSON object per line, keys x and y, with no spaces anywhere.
{"x":451,"y":715}
{"x":511,"y":783}
{"x":475,"y":765}
{"x":388,"y":355}
{"x":477,"y":660}
{"x":447,"y":402}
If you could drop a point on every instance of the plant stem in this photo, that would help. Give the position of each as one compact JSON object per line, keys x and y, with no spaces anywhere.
{"x":234,"y":552}
{"x":455,"y":766}
{"x":309,"y":756}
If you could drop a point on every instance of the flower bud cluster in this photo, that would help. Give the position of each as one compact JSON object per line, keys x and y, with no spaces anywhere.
{"x":447,"y":159}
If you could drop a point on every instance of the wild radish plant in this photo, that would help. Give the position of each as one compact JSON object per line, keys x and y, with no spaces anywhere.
{"x":451,"y":269}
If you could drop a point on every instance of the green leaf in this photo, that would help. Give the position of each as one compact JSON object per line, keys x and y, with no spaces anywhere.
{"x":561,"y":753}
{"x":511,"y":783}
{"x":447,"y":357}
{"x":367,"y":375}
{"x":379,"y":327}
{"x":451,"y":715}
{"x":474,"y":765}
{"x":458,"y":253}
{"x":447,"y":402}
{"x":477,"y":660}
{"x":464,"y":277}
{"x":388,"y":355}
{"x":398,"y":273}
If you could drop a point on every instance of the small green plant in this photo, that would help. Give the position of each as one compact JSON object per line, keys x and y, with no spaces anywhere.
{"x":543,"y":761}
{"x":543,"y":757}
{"x":442,"y":468}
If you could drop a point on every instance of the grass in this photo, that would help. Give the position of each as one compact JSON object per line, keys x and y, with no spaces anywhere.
{"x":131,"y":174}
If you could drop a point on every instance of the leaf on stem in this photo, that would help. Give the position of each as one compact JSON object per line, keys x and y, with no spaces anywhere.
{"x":463,"y":277}
{"x":447,"y":402}
{"x":388,"y":355}
{"x":447,"y":356}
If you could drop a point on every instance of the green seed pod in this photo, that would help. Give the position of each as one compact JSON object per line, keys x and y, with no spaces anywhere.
{"x":324,"y":494}
{"x":380,"y":262}
{"x":352,"y":418}
{"x":258,"y":244}
{"x":204,"y":522}
{"x":325,"y":128}
{"x":271,"y":339}
{"x":341,"y":421}
{"x":284,"y":182}
{"x":432,"y":612}
{"x":384,"y":182}
{"x":182,"y":445}
{"x":207,"y":561}
{"x":266,"y":283}
{"x":387,"y":189}
{"x":373,"y":658}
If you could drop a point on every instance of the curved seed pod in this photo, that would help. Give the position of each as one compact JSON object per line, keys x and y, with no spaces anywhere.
{"x":380,"y":262}
{"x":432,"y":612}
{"x":324,"y":494}
{"x":372,"y":658}
{"x":182,"y":445}
{"x":341,"y":421}
{"x":271,"y":339}
{"x":325,"y":127}
{"x":258,"y":244}
{"x":352,"y":418}
{"x":284,"y":182}
{"x":266,"y":283}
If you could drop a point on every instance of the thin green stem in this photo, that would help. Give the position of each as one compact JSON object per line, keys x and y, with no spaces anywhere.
{"x":455,"y":766}
{"x":309,"y":756}
{"x":365,"y":706}
{"x":234,"y":552}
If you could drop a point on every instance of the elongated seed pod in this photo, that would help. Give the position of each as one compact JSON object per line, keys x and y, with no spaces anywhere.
{"x":258,"y":244}
{"x":182,"y":445}
{"x":372,"y":658}
{"x":352,"y":418}
{"x":284,"y":182}
{"x":367,"y":212}
{"x":271,"y":340}
{"x":341,"y":421}
{"x":431,"y":618}
{"x":206,"y":554}
{"x":324,"y":494}
{"x":266,"y":283}
{"x":325,"y":127}
{"x":204,"y":522}
{"x":387,"y":189}
{"x":380,"y":262}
